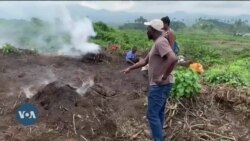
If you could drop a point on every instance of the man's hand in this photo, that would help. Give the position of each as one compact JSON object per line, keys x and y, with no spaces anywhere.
{"x":125,"y":71}
{"x":160,"y":80}
{"x":164,"y":77}
{"x":139,"y":64}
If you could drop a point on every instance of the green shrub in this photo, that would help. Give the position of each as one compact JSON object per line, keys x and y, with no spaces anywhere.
{"x":186,"y":83}
{"x":225,"y":78}
{"x":126,"y":39}
{"x":197,"y":51}
{"x":235,"y":73}
{"x":8,"y":49}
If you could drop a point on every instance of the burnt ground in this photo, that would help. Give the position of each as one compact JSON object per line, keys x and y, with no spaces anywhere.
{"x":82,"y":99}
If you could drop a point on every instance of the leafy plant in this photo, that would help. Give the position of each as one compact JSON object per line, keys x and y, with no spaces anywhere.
{"x":227,"y":78}
{"x":205,"y":54}
{"x":8,"y":49}
{"x":232,"y":74}
{"x":186,"y":83}
{"x":126,"y":39}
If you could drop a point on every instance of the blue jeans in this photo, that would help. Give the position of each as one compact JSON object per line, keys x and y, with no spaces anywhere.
{"x":157,"y":98}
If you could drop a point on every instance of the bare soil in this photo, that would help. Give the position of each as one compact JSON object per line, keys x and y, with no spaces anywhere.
{"x":89,"y":99}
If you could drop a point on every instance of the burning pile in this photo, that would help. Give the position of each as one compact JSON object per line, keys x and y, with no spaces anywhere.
{"x":56,"y":94}
{"x":94,"y":58}
{"x":58,"y":103}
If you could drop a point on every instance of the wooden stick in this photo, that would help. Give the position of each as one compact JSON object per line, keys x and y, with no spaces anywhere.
{"x":68,"y":134}
{"x":135,"y":135}
{"x":74,"y":124}
{"x":192,"y":126}
{"x":96,"y":118}
{"x":83,"y":138}
{"x":17,"y":100}
{"x":218,"y":135}
{"x":206,"y":135}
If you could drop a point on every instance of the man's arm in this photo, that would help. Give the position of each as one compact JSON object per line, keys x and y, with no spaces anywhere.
{"x":171,"y":61}
{"x":130,"y":61}
{"x":140,"y":64}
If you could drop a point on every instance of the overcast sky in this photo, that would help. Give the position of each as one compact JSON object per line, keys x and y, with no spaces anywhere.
{"x":229,"y":8}
{"x":200,"y":7}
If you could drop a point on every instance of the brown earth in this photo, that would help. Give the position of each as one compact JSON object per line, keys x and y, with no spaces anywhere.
{"x":114,"y":106}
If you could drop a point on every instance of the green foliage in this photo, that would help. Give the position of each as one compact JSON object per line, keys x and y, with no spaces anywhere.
{"x":225,"y":78}
{"x":135,"y":26}
{"x":205,"y":25}
{"x":100,"y":26}
{"x":225,"y":58}
{"x":8,"y":49}
{"x":235,"y":73}
{"x":36,"y":34}
{"x":240,"y":26}
{"x":201,"y":53}
{"x":140,"y":20}
{"x":226,"y":26}
{"x":126,"y":39}
{"x":37,"y":21}
{"x":186,"y":83}
{"x":177,"y":25}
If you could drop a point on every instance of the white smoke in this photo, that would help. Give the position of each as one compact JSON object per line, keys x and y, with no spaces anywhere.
{"x":52,"y":40}
{"x":31,"y":90}
{"x":39,"y":83}
{"x":85,"y":86}
{"x":80,"y":32}
{"x":28,"y":92}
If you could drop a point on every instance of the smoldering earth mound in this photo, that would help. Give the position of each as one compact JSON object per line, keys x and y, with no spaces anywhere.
{"x":59,"y":104}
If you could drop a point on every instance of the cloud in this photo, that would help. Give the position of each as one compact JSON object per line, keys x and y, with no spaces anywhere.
{"x":109,"y":5}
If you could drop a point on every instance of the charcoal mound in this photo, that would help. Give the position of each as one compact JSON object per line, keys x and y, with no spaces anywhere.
{"x":95,"y":58}
{"x":27,"y":52}
{"x":59,"y":103}
{"x":56,"y":94}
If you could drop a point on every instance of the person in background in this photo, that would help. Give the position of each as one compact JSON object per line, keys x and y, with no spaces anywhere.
{"x":131,"y":56}
{"x":169,"y":34}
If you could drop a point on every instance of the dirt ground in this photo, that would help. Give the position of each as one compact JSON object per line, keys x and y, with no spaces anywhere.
{"x":81,"y":100}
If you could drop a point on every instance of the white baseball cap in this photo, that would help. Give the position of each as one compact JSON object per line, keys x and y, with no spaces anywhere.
{"x":157,"y":24}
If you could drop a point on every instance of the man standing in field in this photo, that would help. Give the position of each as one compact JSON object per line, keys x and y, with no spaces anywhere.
{"x":161,"y":60}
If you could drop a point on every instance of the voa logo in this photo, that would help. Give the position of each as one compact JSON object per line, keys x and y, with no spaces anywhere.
{"x":24,"y":114}
{"x":27,"y":114}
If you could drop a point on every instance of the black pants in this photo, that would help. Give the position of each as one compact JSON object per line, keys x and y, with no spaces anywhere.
{"x":133,"y":60}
